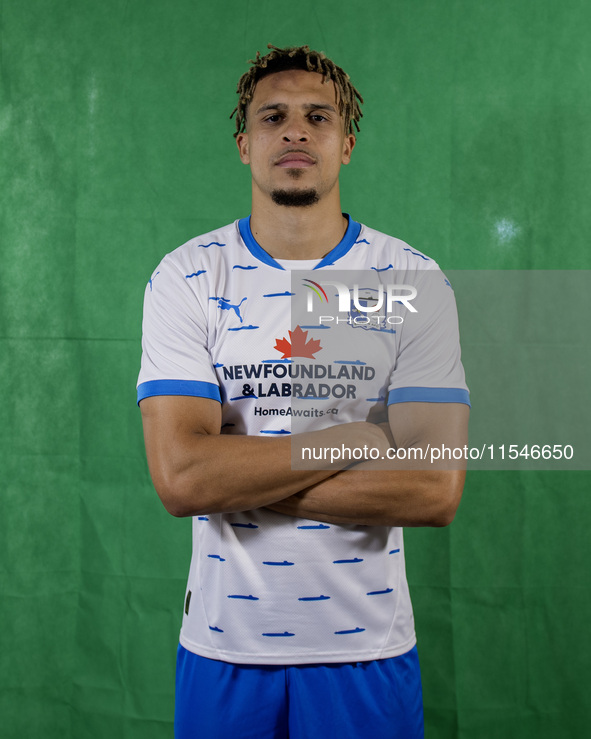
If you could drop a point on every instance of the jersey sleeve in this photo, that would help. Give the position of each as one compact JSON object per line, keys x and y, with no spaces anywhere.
{"x":175,"y":356}
{"x":428,"y":366}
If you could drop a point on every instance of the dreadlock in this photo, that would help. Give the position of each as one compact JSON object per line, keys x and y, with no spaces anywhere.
{"x":298,"y":57}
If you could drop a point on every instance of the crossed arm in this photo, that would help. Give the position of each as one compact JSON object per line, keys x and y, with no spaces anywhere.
{"x":197,"y":470}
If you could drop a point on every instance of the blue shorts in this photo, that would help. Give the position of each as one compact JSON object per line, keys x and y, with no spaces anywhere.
{"x":381,"y":699}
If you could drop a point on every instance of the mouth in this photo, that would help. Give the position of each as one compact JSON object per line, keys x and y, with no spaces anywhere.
{"x":295,"y":160}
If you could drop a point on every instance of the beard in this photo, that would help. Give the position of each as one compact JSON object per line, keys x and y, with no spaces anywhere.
{"x":295,"y":198}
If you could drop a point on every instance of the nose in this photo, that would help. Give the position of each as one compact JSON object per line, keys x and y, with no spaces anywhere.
{"x":292,"y":138}
{"x":296,"y":130}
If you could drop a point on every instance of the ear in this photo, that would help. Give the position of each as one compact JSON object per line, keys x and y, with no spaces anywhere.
{"x":242,"y":143}
{"x":348,"y":146}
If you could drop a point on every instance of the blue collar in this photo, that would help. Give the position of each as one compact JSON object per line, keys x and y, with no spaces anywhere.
{"x":333,"y":255}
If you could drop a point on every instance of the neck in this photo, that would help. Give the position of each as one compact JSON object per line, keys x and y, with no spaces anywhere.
{"x":291,"y":232}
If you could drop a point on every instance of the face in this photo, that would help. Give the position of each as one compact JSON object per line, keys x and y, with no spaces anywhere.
{"x":295,"y":141}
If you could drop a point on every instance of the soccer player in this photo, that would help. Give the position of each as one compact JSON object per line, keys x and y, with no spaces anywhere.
{"x":297,"y":618}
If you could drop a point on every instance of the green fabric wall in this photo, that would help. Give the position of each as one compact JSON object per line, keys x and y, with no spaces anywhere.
{"x":115,"y":147}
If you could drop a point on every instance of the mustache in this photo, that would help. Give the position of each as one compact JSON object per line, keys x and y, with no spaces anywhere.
{"x":294,"y":150}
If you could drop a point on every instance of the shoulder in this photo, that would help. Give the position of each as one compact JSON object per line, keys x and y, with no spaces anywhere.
{"x":407,"y":256}
{"x":202,"y":255}
{"x":393,"y":252}
{"x":208,"y":247}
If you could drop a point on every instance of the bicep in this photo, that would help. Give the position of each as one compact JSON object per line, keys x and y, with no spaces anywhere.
{"x":171,"y":424}
{"x":434,"y":431}
{"x":420,"y":423}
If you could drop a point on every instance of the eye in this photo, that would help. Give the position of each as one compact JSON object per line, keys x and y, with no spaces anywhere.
{"x":318,"y":117}
{"x":273,"y":118}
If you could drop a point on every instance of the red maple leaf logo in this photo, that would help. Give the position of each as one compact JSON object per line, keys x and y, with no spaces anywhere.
{"x":298,"y":346}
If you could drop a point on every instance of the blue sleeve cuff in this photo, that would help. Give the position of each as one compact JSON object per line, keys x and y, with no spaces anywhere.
{"x":428,"y":395}
{"x":192,"y":388}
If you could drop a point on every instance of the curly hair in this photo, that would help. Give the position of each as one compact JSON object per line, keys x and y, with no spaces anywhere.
{"x":298,"y":57}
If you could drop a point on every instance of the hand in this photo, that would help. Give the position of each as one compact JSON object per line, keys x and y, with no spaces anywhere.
{"x":387,"y":430}
{"x":346,"y":440}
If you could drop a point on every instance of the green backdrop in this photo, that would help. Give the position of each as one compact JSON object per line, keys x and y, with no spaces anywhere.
{"x":115,"y":147}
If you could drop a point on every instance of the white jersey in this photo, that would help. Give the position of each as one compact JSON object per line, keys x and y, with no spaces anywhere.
{"x":264,"y":587}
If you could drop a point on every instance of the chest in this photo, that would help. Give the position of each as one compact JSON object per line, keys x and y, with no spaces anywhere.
{"x":283,"y":367}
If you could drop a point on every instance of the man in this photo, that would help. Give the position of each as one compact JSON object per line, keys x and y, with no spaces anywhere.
{"x":297,"y":618}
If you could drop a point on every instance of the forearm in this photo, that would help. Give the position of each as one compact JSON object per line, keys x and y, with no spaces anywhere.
{"x":396,"y":492}
{"x":196,"y":470}
{"x":380,"y":498}
{"x":223,"y":474}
